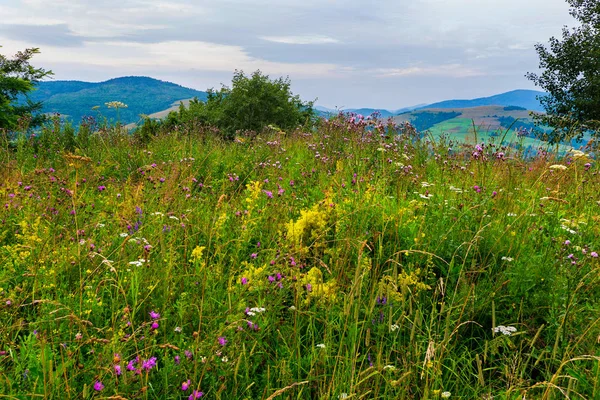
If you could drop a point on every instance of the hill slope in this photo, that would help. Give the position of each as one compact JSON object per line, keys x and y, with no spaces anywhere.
{"x":521,"y":98}
{"x":143,"y":95}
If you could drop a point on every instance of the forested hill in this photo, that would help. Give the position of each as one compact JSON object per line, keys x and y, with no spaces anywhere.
{"x":143,"y":95}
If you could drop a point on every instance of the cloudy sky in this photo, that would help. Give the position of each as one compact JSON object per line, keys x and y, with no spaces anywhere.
{"x":346,"y":53}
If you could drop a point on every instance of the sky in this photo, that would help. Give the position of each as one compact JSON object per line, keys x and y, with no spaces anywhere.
{"x":345,"y":54}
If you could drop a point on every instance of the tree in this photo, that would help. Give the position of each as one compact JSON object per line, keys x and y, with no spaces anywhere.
{"x":17,"y":79}
{"x":571,"y":75}
{"x":251,"y":104}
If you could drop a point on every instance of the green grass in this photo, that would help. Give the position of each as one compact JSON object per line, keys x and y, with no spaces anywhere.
{"x":385,"y":264}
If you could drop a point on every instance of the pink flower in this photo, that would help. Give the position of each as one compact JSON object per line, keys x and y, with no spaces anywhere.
{"x":154,"y":315}
{"x":222,"y":340}
{"x":185,"y":385}
{"x":98,"y":386}
{"x":594,"y":254}
{"x":195,"y":395}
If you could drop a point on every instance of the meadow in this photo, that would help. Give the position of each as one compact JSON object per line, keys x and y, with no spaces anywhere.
{"x":357,"y":260}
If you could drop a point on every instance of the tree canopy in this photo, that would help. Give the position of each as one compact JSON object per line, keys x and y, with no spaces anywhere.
{"x":17,"y":78}
{"x":571,"y":75}
{"x":251,"y":104}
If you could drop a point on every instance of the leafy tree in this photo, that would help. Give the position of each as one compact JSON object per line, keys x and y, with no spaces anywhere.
{"x":571,"y":75}
{"x":17,"y":78}
{"x":251,"y":104}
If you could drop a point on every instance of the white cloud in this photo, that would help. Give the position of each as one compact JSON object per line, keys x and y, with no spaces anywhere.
{"x":309,"y":39}
{"x":448,"y":70}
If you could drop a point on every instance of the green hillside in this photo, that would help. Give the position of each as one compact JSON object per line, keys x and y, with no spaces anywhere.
{"x":521,"y":98}
{"x":143,"y":95}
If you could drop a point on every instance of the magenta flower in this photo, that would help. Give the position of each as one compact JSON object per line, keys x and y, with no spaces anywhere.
{"x":222,"y":340}
{"x":118,"y":369}
{"x":185,"y":385}
{"x":148,"y":364}
{"x":477,"y":189}
{"x":253,"y":255}
{"x":195,"y":395}
{"x":244,"y":280}
{"x":154,"y":315}
{"x":98,"y":386}
{"x":154,"y":325}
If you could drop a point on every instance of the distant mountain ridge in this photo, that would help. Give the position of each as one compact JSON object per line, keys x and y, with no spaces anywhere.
{"x":520,"y":98}
{"x":143,"y":95}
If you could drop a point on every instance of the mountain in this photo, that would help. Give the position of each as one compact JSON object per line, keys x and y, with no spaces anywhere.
{"x":521,"y":98}
{"x":143,"y":95}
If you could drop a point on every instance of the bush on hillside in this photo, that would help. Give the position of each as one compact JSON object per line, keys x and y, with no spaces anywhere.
{"x":251,"y":104}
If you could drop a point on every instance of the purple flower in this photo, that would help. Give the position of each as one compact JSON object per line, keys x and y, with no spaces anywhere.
{"x":222,"y":340}
{"x":154,"y":315}
{"x":195,"y":395}
{"x":271,"y":278}
{"x":185,"y":385}
{"x":101,"y":188}
{"x":177,"y":360}
{"x":253,"y":255}
{"x":244,"y":280}
{"x":567,"y":242}
{"x":594,"y":254}
{"x":98,"y":386}
{"x":148,"y":364}
{"x":154,"y":325}
{"x":118,"y":369}
{"x":477,"y":189}
{"x":131,"y":364}
{"x":268,"y":193}
{"x":188,"y":354}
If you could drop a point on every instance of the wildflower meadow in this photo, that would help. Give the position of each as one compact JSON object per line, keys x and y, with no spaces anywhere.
{"x":357,"y":260}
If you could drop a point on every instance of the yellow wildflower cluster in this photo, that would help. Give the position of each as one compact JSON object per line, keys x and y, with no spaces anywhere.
{"x":252,"y":276}
{"x":316,"y":288}
{"x":311,"y":228}
{"x":405,"y":283}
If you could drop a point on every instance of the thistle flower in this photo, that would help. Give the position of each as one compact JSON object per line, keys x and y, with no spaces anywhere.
{"x":98,"y":386}
{"x":154,"y":315}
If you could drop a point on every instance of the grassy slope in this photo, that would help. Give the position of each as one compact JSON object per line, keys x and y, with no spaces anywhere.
{"x":383,"y":271}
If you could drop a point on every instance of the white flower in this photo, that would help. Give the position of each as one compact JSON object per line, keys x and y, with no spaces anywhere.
{"x":509,"y":259}
{"x":390,"y":367}
{"x":99,"y":225}
{"x":445,"y":395}
{"x":158,"y":213}
{"x":292,"y":308}
{"x":224,"y":359}
{"x":505,"y":330}
{"x":173,"y":217}
{"x":394,"y":327}
{"x":425,"y":196}
{"x":177,"y":329}
{"x":426,"y":184}
{"x":321,"y":345}
{"x":566,"y":228}
{"x":511,"y":215}
{"x":257,"y":310}
{"x":558,"y":166}
{"x":343,"y":396}
{"x":124,"y":234}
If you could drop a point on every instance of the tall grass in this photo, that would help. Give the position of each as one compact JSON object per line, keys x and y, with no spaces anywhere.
{"x":360,"y":260}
